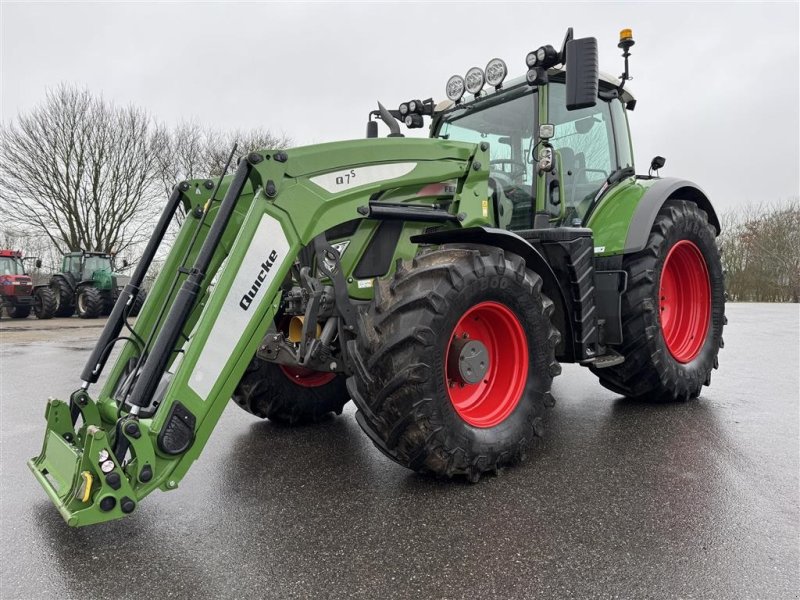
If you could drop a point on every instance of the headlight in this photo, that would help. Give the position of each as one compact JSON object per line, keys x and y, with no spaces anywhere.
{"x":413,"y":120}
{"x":496,"y":71}
{"x":530,"y":60}
{"x":474,"y":80}
{"x":415,"y":106}
{"x":455,"y":88}
{"x":403,"y":109}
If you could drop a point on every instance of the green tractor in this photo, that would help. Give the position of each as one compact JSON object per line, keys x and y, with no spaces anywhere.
{"x":88,"y":285}
{"x":438,"y":283}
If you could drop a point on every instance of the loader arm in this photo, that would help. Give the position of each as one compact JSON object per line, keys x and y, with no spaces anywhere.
{"x":213,"y":302}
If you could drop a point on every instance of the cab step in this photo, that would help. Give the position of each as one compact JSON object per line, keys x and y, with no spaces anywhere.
{"x":609,"y":359}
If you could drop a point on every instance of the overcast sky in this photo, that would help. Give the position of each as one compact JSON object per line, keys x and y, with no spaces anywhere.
{"x":717,"y":84}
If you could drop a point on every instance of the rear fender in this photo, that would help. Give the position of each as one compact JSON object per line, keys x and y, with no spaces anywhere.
{"x":622,"y":221}
{"x":651,"y":202}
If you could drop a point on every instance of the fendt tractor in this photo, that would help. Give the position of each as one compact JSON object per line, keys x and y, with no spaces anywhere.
{"x":438,"y":283}
{"x":17,"y":292}
{"x":89,"y":286}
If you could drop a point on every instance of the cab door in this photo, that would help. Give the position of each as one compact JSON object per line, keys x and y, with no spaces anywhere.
{"x":586,"y":152}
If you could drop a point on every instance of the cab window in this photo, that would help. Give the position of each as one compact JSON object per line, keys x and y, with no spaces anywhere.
{"x":508,"y":127}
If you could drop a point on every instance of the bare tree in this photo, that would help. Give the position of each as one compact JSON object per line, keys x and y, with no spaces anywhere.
{"x":761,"y":253}
{"x":192,"y":151}
{"x":80,"y":170}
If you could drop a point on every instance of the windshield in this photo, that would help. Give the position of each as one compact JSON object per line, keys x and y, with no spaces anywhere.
{"x":11,"y":266}
{"x":97,"y":263}
{"x":508,"y":127}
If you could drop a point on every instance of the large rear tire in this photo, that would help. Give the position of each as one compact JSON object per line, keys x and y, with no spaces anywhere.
{"x":44,"y":303}
{"x":290,"y":396}
{"x":89,"y":303}
{"x":673,"y":312}
{"x":64,"y":297}
{"x":453,"y":375}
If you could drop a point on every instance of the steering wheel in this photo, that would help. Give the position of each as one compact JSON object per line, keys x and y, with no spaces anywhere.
{"x":518,"y":169}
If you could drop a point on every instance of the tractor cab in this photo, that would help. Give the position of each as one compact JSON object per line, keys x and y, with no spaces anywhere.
{"x":589,"y":146}
{"x":11,"y":265}
{"x":15,"y":285}
{"x":90,"y":266}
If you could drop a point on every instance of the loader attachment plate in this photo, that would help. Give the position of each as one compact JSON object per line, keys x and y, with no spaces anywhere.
{"x":84,"y":488}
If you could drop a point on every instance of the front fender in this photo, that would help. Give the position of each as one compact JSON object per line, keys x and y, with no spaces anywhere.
{"x":511,"y":242}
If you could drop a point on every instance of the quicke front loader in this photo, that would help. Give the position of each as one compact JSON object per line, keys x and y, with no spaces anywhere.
{"x":438,"y":283}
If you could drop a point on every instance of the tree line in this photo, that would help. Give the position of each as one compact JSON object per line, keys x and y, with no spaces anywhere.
{"x":81,"y":172}
{"x":760,"y":248}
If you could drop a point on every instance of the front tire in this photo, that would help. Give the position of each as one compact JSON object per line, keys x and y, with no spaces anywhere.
{"x":89,"y":303}
{"x":19,"y":311}
{"x":44,"y":303}
{"x":290,"y":396}
{"x":63,"y":296}
{"x":673,"y":312}
{"x":426,"y":396}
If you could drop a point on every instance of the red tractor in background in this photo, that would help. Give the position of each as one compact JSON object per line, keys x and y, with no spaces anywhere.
{"x":17,"y":295}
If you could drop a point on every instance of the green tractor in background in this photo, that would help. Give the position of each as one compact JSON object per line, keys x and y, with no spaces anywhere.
{"x":89,"y":286}
{"x":437,"y":283}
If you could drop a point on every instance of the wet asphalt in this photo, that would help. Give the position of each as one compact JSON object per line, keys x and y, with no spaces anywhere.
{"x":624,"y":500}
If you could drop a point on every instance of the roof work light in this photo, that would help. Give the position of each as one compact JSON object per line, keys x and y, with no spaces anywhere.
{"x":475,"y":78}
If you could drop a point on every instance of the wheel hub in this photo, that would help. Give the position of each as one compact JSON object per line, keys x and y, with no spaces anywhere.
{"x":471,"y":360}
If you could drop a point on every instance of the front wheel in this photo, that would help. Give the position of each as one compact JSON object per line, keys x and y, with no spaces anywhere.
{"x":89,"y":303}
{"x":673,"y":312}
{"x":62,"y":293}
{"x":290,"y":395}
{"x":19,"y":311}
{"x":454,"y":372}
{"x":44,"y":303}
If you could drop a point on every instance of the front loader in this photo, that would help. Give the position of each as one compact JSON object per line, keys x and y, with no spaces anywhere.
{"x":438,"y":283}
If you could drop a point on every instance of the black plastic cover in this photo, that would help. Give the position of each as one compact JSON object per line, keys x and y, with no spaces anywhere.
{"x":178,"y":432}
{"x":582,"y":73}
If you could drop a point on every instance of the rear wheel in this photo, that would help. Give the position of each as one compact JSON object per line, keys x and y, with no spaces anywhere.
{"x":19,"y":311}
{"x":290,"y":395}
{"x":454,"y":373}
{"x":89,"y":303}
{"x":673,"y":312}
{"x":63,"y":297}
{"x":44,"y":303}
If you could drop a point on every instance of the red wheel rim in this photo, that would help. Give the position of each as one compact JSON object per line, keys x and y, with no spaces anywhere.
{"x":684,"y":301}
{"x":489,"y":402}
{"x":306,"y":377}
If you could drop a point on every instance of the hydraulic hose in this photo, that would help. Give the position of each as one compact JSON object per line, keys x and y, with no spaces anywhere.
{"x":157,"y":361}
{"x":97,"y":360}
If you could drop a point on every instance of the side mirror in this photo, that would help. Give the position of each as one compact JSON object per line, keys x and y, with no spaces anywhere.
{"x":582,"y":73}
{"x":657,"y":163}
{"x":38,"y":263}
